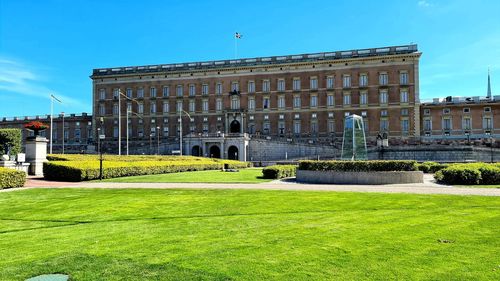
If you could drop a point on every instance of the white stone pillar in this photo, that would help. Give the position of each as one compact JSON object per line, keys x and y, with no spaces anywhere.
{"x":36,"y":154}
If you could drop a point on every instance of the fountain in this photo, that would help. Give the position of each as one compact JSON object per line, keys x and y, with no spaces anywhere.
{"x":354,"y":140}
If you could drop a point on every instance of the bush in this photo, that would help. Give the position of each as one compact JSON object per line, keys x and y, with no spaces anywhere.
{"x":279,"y":171}
{"x":431,"y":167}
{"x":11,"y":178}
{"x":469,"y":174}
{"x":12,"y":138}
{"x":359,"y":166}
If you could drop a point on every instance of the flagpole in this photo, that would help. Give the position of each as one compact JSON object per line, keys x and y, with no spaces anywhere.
{"x":235,"y":46}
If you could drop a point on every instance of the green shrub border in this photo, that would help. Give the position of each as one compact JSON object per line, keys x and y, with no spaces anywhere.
{"x":10,"y":178}
{"x":469,"y":174}
{"x":279,"y":171}
{"x":359,"y":166}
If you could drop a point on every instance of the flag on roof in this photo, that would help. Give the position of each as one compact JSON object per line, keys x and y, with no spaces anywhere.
{"x":237,"y":35}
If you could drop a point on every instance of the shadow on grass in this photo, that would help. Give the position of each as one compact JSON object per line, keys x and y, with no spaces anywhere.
{"x":82,"y":266}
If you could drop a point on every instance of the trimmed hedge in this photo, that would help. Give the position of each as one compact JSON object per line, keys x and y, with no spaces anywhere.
{"x":431,"y":167}
{"x":359,"y":166}
{"x":11,"y":137}
{"x":279,"y":171}
{"x":11,"y":178}
{"x":469,"y":174}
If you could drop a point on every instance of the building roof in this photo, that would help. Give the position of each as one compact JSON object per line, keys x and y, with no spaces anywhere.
{"x":245,"y":62}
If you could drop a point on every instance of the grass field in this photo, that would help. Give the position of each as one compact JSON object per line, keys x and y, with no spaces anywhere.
{"x":130,"y":234}
{"x":251,"y":175}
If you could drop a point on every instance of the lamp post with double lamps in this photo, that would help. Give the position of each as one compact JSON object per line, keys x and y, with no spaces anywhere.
{"x":52,"y":98}
{"x":158,"y":140}
{"x":180,"y":128}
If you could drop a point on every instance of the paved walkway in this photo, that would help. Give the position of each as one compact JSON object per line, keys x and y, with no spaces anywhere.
{"x":428,"y":187}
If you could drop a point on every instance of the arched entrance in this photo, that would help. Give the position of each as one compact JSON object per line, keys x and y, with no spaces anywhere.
{"x":232,"y":153}
{"x":196,"y":151}
{"x":235,"y":127}
{"x":214,"y":151}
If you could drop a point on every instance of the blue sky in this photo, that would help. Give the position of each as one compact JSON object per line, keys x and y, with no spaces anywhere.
{"x":52,"y":46}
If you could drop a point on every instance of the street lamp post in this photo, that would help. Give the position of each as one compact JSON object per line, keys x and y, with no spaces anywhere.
{"x":63,"y":133}
{"x":180,"y":128}
{"x":158,"y":140}
{"x":150,"y":144}
{"x":120,"y":122}
{"x":101,"y":136}
{"x":52,"y":98}
{"x":492,"y":141}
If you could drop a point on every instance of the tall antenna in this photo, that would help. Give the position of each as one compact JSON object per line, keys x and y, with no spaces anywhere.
{"x":488,"y":94}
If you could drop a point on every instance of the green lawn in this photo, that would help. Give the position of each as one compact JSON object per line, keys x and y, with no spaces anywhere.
{"x":152,"y":234}
{"x":252,"y":175}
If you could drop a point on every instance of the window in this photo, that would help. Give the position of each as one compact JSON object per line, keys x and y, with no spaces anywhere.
{"x":330,"y":115}
{"x":347,"y":99}
{"x":129,"y":107}
{"x":314,"y":127}
{"x":192,"y":90}
{"x":281,"y":102}
{"x":297,"y":116}
{"x":331,"y":126}
{"x":266,"y":86}
{"x":140,"y":108}
{"x":403,"y":78}
{"x":281,"y":127}
{"x":235,"y":86}
{"x":116,"y":93}
{"x":129,"y":93}
{"x":102,"y":109}
{"x":447,"y":124}
{"x":218,"y":89}
{"x":166,"y":91}
{"x":363,"y":80}
{"x":314,"y":101}
{"x":102,"y":94}
{"x":383,"y":112}
{"x":282,"y":116}
{"x":192,"y":106}
{"x":165,"y":131}
{"x":487,"y":124}
{"x":251,"y":104}
{"x":296,"y":101}
{"x":427,"y":111}
{"x":446,"y":111}
{"x":487,"y":109}
{"x":404,"y":96}
{"x":383,"y":78}
{"x":404,"y":111}
{"x":466,"y":110}
{"x":427,"y":125}
{"x":218,"y":104}
{"x":314,"y":115}
{"x":296,"y":84}
{"x":330,"y":100}
{"x":296,"y":127}
{"x":267,"y":128}
{"x":115,"y":109}
{"x":152,"y":92}
{"x":346,"y":81}
{"x":330,"y":82}
{"x":179,"y":91}
{"x":466,"y":124}
{"x":313,"y":83}
{"x":405,"y":124}
{"x":235,"y":102}
{"x":265,"y":103}
{"x":281,"y":85}
{"x":383,"y":97}
{"x":204,"y":104}
{"x":166,"y":107}
{"x":266,"y":117}
{"x":204,"y":89}
{"x":153,"y":107}
{"x":140,"y":93}
{"x":78,"y":135}
{"x":384,"y":125}
{"x":179,"y":106}
{"x":363,"y":98}
{"x":251,"y":86}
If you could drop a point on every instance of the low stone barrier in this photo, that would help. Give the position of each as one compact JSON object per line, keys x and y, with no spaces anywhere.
{"x":336,"y":177}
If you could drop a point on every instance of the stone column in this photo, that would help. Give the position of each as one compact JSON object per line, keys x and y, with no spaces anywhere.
{"x":36,"y":154}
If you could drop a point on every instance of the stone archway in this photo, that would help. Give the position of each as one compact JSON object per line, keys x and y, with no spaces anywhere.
{"x":214,"y":151}
{"x":235,"y":127}
{"x":232,"y":153}
{"x":196,"y":151}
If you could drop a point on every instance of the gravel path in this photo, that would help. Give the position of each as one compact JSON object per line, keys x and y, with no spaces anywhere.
{"x":428,"y":187}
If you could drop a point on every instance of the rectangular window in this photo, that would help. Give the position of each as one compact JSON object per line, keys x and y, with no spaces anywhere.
{"x":281,"y":85}
{"x":427,"y":125}
{"x":166,"y":107}
{"x":129,"y":93}
{"x":153,"y":107}
{"x":314,"y":101}
{"x":330,"y":100}
{"x":140,"y":92}
{"x":331,"y":126}
{"x":363,"y":98}
{"x":78,"y":135}
{"x":383,"y":97}
{"x":346,"y":81}
{"x":235,"y":86}
{"x":166,"y":91}
{"x":383,"y":78}
{"x":404,"y":111}
{"x":251,"y":86}
{"x":404,"y":96}
{"x":115,"y":109}
{"x":218,"y":89}
{"x":296,"y":101}
{"x":192,"y":90}
{"x":129,"y":107}
{"x":251,"y":104}
{"x":384,"y":125}
{"x":179,"y":106}
{"x":487,"y":123}
{"x":405,"y":124}
{"x":116,"y":93}
{"x":383,"y":112}
{"x":102,"y":109}
{"x":427,"y":111}
{"x":466,"y":124}
{"x":314,"y":127}
{"x":281,"y":102}
{"x":218,"y":104}
{"x":204,"y":89}
{"x":192,"y":106}
{"x":403,"y":78}
{"x":235,"y":102}
{"x":265,"y":103}
{"x":296,"y":84}
{"x":447,"y":124}
{"x":266,"y":86}
{"x":296,"y":127}
{"x":205,"y":105}
{"x":347,"y":99}
{"x":313,"y":84}
{"x":363,"y":80}
{"x":140,"y":108}
{"x":102,"y":94}
{"x":152,"y":92}
{"x":330,"y":82}
{"x":179,"y":91}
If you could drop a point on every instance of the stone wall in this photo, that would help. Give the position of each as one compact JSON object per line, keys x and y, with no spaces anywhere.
{"x":337,"y":177}
{"x":271,"y":150}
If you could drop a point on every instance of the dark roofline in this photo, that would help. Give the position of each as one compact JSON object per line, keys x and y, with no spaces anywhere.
{"x":245,"y":62}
